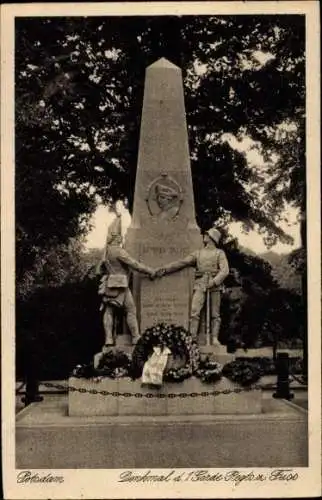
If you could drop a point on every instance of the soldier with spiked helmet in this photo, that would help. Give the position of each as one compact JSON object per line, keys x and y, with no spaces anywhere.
{"x":114,"y":288}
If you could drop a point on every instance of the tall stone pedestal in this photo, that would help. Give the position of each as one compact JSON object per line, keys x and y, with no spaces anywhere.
{"x":163,"y":225}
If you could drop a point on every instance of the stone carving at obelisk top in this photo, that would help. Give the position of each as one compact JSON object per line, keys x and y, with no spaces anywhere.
{"x":163,"y":227}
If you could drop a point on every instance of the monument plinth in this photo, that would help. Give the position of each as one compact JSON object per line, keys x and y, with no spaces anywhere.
{"x":163,"y":227}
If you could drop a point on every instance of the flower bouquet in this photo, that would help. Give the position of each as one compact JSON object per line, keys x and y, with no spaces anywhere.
{"x":209,"y":370}
{"x":113,"y":364}
{"x":242,"y":372}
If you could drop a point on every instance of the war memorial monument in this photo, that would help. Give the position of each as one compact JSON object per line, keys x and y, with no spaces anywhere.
{"x":166,"y":279}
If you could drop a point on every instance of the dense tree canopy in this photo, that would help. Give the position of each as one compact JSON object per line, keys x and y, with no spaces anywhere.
{"x":79,"y":93}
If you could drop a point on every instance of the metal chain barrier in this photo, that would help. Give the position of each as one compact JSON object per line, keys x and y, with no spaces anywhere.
{"x":21,"y":386}
{"x":297,"y":379}
{"x":151,"y":395}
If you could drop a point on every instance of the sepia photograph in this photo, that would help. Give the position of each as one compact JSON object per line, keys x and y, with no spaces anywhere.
{"x":161,"y":250}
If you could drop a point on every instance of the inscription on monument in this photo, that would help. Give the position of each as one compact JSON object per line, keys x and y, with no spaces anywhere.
{"x":165,"y":300}
{"x":166,"y":309}
{"x":158,"y":250}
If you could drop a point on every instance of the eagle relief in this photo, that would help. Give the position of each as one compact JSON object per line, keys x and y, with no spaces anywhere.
{"x":164,"y":198}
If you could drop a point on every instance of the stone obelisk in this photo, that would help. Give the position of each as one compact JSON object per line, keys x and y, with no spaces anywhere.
{"x":163,"y":227}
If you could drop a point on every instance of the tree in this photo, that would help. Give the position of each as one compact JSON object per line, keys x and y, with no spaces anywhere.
{"x":60,"y":264}
{"x":79,"y":92}
{"x":283,"y":271}
{"x":70,"y":69}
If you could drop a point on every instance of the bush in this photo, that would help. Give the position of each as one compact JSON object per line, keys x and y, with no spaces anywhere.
{"x":266,"y":365}
{"x":57,"y":328}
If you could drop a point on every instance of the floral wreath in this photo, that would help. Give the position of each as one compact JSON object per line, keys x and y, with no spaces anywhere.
{"x":118,"y":364}
{"x":178,"y":340}
{"x":180,"y":343}
{"x":209,"y":370}
{"x":112,"y":364}
{"x":242,"y":371}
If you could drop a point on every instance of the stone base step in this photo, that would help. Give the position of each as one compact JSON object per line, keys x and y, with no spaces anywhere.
{"x":88,"y":404}
{"x":218,"y":353}
{"x":46,"y":438}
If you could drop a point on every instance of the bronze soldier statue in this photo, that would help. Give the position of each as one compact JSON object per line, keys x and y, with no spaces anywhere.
{"x":211,"y":269}
{"x":114,"y":284}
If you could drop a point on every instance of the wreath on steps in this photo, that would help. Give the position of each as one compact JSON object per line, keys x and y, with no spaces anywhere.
{"x":183,"y":362}
{"x":184,"y":359}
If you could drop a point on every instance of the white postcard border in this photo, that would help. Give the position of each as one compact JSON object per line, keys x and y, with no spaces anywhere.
{"x":97,"y":483}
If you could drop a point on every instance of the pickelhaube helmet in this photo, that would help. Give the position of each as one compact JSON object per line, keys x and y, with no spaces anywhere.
{"x":114,"y":229}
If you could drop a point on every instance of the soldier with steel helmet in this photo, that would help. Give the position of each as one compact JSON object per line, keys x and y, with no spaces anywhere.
{"x":211,"y":269}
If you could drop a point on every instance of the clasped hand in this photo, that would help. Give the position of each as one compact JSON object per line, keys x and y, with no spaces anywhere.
{"x":157,"y":273}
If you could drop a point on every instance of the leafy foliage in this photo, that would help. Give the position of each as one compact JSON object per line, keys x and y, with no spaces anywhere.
{"x":79,"y":90}
{"x":57,"y":328}
{"x":53,"y":267}
{"x":256,"y":310}
{"x":285,"y":270}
